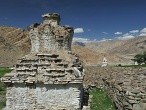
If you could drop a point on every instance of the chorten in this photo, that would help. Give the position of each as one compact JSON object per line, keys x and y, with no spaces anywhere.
{"x":104,"y":62}
{"x":51,"y":76}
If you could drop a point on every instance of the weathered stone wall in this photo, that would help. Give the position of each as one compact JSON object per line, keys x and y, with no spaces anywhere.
{"x":42,"y":97}
{"x":126,"y":86}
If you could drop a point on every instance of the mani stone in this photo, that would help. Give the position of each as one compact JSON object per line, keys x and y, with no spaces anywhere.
{"x":51,"y":76}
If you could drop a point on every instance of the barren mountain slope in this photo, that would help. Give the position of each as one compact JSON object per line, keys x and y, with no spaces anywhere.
{"x":91,"y":57}
{"x":105,"y":46}
{"x":131,"y":46}
{"x":14,"y":43}
{"x":123,"y":48}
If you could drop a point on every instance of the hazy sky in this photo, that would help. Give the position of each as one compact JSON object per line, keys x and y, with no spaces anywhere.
{"x":94,"y":19}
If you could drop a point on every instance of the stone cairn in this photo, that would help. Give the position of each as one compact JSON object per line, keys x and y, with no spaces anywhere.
{"x":51,"y":76}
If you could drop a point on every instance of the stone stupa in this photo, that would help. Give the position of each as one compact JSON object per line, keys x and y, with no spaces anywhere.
{"x":51,"y":76}
{"x":104,"y":62}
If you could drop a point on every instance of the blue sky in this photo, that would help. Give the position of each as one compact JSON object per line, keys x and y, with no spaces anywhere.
{"x":92,"y":19}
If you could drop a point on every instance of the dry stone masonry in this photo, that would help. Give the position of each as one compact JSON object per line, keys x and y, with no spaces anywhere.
{"x":126,"y":86}
{"x":51,"y":76}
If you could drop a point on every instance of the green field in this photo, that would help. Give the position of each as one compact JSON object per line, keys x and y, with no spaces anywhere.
{"x":100,"y":100}
{"x":143,"y":65}
{"x":3,"y":88}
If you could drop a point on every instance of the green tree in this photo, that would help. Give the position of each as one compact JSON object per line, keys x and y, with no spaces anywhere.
{"x":144,"y":57}
{"x":139,"y":58}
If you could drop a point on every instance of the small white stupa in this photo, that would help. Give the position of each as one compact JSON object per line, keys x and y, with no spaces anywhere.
{"x":104,"y":62}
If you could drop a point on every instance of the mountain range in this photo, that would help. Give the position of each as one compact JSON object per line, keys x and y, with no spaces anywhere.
{"x":15,"y":43}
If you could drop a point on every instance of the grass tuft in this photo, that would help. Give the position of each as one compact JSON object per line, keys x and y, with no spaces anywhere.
{"x":3,"y":71}
{"x":100,"y":100}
